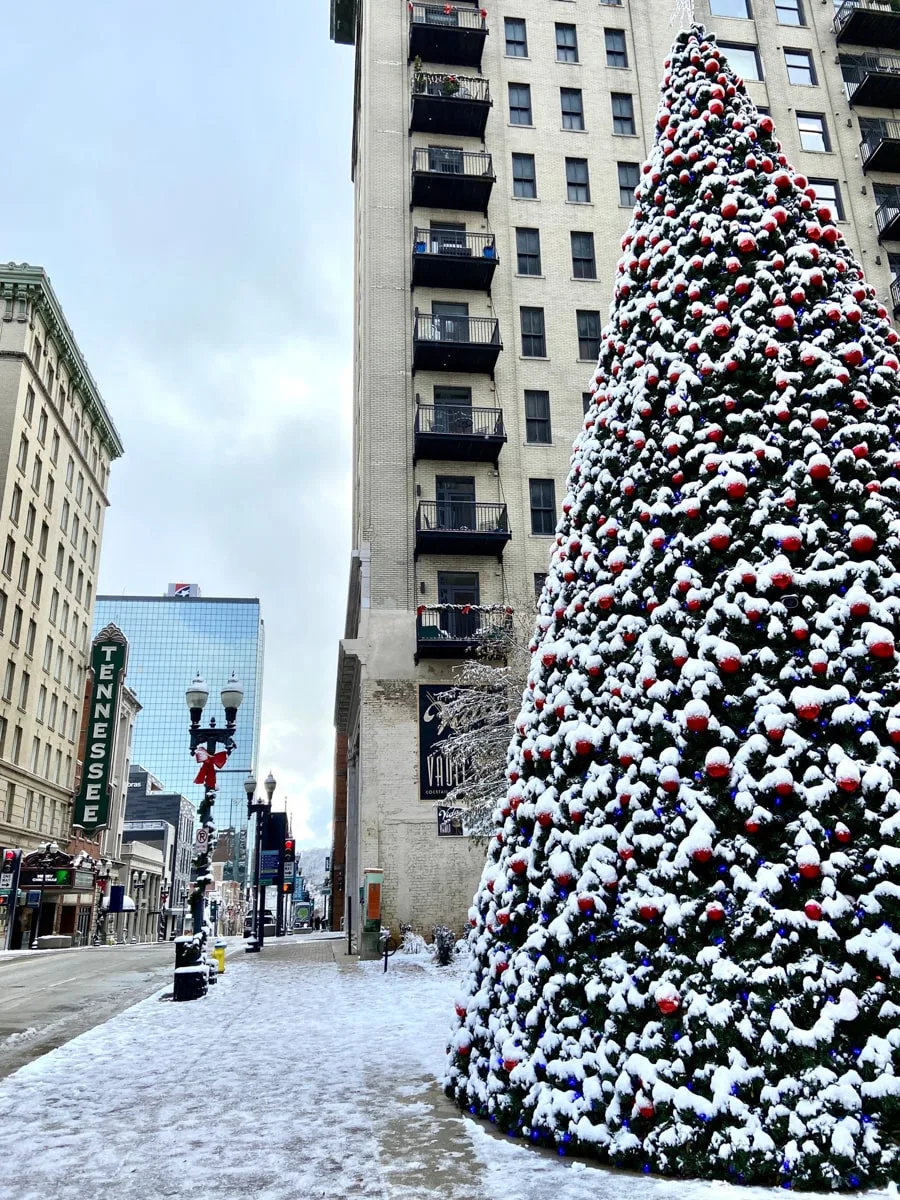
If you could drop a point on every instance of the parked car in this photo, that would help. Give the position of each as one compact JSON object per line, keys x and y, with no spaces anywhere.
{"x":269,"y":919}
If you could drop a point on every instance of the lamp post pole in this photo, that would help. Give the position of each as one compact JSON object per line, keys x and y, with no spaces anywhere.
{"x":49,"y":851}
{"x":205,"y":742}
{"x":262,"y":808}
{"x":138,"y":882}
{"x":103,"y":873}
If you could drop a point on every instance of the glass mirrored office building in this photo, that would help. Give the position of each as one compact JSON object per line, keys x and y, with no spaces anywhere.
{"x":171,"y":639}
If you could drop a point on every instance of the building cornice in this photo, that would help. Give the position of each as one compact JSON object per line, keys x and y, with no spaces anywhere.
{"x":20,"y":280}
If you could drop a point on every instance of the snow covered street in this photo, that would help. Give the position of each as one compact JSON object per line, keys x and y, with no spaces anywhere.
{"x":302,"y":1074}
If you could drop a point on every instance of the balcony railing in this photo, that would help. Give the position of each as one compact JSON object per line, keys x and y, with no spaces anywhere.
{"x":455,"y":343}
{"x":887,"y":219}
{"x":879,"y":149}
{"x":447,"y":33}
{"x":453,"y":104}
{"x":461,"y":527}
{"x":446,"y":178}
{"x":451,"y":258}
{"x":458,"y":432}
{"x":868,"y":23}
{"x":452,"y":631}
{"x":872,"y":79}
{"x":895,"y":295}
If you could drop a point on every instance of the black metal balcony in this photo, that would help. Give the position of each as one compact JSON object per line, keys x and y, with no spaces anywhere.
{"x":458,"y":433}
{"x":887,"y":219}
{"x":868,"y":23}
{"x":446,"y":178}
{"x":457,"y":104}
{"x":872,"y":79}
{"x":455,"y":343}
{"x":461,"y":527}
{"x":453,"y":631}
{"x":451,"y":258}
{"x":895,"y":295}
{"x":447,"y":33}
{"x":880,"y":148}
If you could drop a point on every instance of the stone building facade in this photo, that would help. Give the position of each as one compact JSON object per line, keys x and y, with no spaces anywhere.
{"x":494,"y":152}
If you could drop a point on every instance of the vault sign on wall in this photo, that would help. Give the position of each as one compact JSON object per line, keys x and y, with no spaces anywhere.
{"x":109,"y":654}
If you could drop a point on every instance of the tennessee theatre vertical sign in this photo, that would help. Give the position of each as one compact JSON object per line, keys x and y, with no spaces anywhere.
{"x":109,"y":654}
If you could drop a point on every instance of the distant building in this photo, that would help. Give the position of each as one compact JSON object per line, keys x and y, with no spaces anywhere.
{"x":144,"y":806}
{"x":161,"y":836}
{"x":171,"y":639}
{"x":57,"y":442}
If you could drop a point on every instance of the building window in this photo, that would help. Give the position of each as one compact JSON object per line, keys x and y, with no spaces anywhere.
{"x":70,"y":572}
{"x":17,"y":744}
{"x":542,"y":494}
{"x":2,"y":610}
{"x":24,"y":684}
{"x":616,"y":51}
{"x":540,"y":578}
{"x":15,"y":629}
{"x":800,"y":68}
{"x":57,"y":670}
{"x":8,"y":556}
{"x":42,"y":541}
{"x":41,"y":703}
{"x":79,"y":585}
{"x":70,"y":471}
{"x":60,"y":560}
{"x":9,"y":680}
{"x":54,"y":707}
{"x":566,"y":43}
{"x":537,"y":418}
{"x":64,"y":516}
{"x":33,"y":763}
{"x":572,"y":107}
{"x":789,"y":12}
{"x":743,"y":60}
{"x":48,"y":492}
{"x":588,"y":334}
{"x":813,"y":132}
{"x":516,"y":39}
{"x":534,"y":343}
{"x":22,"y":460}
{"x":528,"y":251}
{"x":54,"y":609}
{"x":29,"y":404}
{"x":612,"y":3}
{"x":586,"y":399}
{"x":629,"y":178}
{"x":524,"y":178}
{"x":827,"y":193}
{"x":30,"y":636}
{"x":36,"y":474}
{"x":37,"y":586}
{"x":79,"y":488}
{"x":15,"y":504}
{"x":30,"y":517}
{"x":42,"y":426}
{"x":578,"y":188}
{"x":76,"y":525}
{"x":584,"y":265}
{"x":54,"y":447}
{"x":24,"y":567}
{"x":520,"y":104}
{"x":48,"y":653}
{"x":623,"y":114}
{"x":730,"y":8}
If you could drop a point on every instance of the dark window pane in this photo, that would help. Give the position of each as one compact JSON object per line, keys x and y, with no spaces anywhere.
{"x":516,"y":41}
{"x":566,"y":43}
{"x":577,"y":184}
{"x":528,"y":251}
{"x":629,"y":177}
{"x":542,"y":495}
{"x":524,"y":179}
{"x":616,"y":52}
{"x":588,"y":334}
{"x":800,"y":67}
{"x":586,"y":398}
{"x":572,"y":108}
{"x":622,"y":113}
{"x":814,"y":132}
{"x":520,"y":104}
{"x":534,"y":343}
{"x":583,"y":263}
{"x":537,"y":418}
{"x":827,"y":192}
{"x":540,"y":578}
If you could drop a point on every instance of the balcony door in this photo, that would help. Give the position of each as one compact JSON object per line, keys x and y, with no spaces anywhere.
{"x":441,"y":14}
{"x":462,"y":588}
{"x":448,"y":238}
{"x":446,"y":160}
{"x":452,"y":410}
{"x":450,"y":321}
{"x":455,"y":502}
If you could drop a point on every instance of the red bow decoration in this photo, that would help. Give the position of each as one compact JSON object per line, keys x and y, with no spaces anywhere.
{"x":209,"y":764}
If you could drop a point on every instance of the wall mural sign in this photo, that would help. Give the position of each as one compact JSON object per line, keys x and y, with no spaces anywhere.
{"x":109,"y":654}
{"x":437,"y":772}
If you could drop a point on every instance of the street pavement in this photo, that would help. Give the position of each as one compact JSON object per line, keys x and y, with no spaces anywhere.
{"x":48,"y":997}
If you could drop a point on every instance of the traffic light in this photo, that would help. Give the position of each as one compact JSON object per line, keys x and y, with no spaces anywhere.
{"x":287,"y":888}
{"x":289,"y":850}
{"x":10,"y":858}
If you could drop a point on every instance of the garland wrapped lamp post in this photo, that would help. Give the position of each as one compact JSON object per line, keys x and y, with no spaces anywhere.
{"x":205,"y":743}
{"x":261,"y":808}
{"x":49,"y":851}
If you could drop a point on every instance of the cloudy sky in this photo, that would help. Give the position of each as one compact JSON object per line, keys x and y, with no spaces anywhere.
{"x":181,"y":170}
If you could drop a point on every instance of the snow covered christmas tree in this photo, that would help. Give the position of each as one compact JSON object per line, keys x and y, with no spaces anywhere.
{"x":686,"y":940}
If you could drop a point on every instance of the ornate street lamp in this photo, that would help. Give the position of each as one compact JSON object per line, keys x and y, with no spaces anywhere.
{"x":49,"y":851}
{"x":262,"y":808}
{"x":205,"y":743}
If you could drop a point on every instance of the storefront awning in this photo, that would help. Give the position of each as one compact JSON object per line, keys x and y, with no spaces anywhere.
{"x":128,"y":904}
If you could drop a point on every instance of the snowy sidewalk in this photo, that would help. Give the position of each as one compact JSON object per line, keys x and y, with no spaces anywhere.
{"x":302,"y":1074}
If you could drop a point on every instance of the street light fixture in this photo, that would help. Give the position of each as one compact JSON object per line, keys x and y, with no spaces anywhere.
{"x":104,"y":870}
{"x":262,"y":808}
{"x":205,"y":743}
{"x":49,"y":851}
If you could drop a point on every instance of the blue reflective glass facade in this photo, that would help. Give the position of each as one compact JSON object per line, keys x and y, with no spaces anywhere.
{"x":171,"y":639}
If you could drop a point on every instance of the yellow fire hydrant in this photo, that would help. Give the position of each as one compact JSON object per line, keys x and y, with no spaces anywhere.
{"x":219,"y":956}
